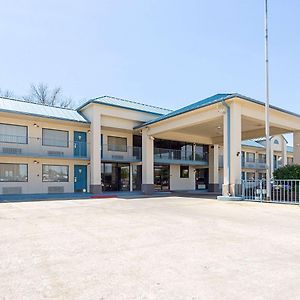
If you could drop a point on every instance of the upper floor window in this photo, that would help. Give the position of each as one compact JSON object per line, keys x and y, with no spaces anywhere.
{"x":117,"y":143}
{"x":13,"y":172}
{"x":13,"y":134}
{"x":276,"y":142}
{"x":262,"y":158}
{"x":56,"y":138}
{"x":250,"y":157}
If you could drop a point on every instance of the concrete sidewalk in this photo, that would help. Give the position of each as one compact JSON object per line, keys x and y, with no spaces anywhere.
{"x":159,"y":248}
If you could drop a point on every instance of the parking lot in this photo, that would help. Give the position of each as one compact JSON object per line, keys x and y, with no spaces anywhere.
{"x":151,"y":248}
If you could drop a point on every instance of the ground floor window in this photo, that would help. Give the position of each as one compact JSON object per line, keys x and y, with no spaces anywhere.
{"x":115,"y":176}
{"x":13,"y":172}
{"x":55,"y":173}
{"x":250,"y":176}
{"x":184,"y":172}
{"x":261,"y":175}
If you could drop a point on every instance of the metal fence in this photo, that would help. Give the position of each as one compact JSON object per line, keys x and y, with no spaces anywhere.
{"x":282,"y":191}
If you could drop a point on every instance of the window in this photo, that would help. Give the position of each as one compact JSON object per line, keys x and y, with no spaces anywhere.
{"x":53,"y":173}
{"x":250,"y":176}
{"x":250,"y":157}
{"x":262,"y":158}
{"x":184,"y":171}
{"x":56,"y":138}
{"x":13,"y":134}
{"x":261,"y":176}
{"x":13,"y":172}
{"x":276,"y":142}
{"x":117,"y":143}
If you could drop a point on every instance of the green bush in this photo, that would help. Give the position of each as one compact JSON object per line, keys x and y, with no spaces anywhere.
{"x":287,"y":172}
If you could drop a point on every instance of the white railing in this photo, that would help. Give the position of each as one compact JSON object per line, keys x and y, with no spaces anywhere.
{"x":282,"y":191}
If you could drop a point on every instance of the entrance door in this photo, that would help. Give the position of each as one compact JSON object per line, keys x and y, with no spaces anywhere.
{"x":115,"y":177}
{"x":162,"y":177}
{"x":80,"y":147}
{"x":123,"y":177}
{"x":80,"y":179}
{"x":201,"y":178}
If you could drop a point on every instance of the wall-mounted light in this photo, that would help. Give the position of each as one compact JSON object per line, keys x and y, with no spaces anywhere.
{"x":35,"y":162}
{"x":35,"y":125}
{"x":89,"y":131}
{"x":238,"y":153}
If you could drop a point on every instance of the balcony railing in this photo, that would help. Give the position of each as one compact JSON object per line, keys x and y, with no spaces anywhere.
{"x":11,"y":145}
{"x":121,"y":153}
{"x":171,"y":155}
{"x":253,"y":165}
{"x":259,"y":165}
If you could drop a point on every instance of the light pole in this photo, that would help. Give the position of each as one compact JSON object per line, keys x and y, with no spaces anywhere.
{"x":267,"y":114}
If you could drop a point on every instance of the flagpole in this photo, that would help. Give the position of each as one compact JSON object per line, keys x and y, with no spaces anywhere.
{"x":267,"y":115}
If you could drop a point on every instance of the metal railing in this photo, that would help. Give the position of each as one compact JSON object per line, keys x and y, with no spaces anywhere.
{"x":257,"y":164}
{"x":11,"y":145}
{"x":165,"y":155}
{"x":282,"y":191}
{"x":121,"y":153}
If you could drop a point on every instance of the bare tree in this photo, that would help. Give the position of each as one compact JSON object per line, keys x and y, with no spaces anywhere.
{"x":40,"y":93}
{"x":6,"y":93}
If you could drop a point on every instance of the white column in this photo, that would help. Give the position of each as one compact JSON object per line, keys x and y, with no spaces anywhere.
{"x":130,"y":177}
{"x":233,"y":136}
{"x":148,"y":164}
{"x":297,"y":147}
{"x":284,"y":151}
{"x":213,"y":171}
{"x":95,"y":146}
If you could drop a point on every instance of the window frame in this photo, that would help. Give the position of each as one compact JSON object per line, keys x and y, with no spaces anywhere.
{"x":68,"y":168}
{"x":15,"y":125}
{"x":116,"y":137}
{"x":15,"y":180}
{"x":184,"y":168}
{"x":51,"y":129}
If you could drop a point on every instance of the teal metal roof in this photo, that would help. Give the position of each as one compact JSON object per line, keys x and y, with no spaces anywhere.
{"x":251,"y":143}
{"x":39,"y":110}
{"x":117,"y":102}
{"x":209,"y":101}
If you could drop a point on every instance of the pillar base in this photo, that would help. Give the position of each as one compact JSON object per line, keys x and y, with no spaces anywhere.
{"x":213,"y":187}
{"x":148,"y":189}
{"x":231,"y":189}
{"x":95,"y":189}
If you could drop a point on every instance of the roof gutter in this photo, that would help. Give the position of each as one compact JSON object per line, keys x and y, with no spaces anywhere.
{"x":228,"y":143}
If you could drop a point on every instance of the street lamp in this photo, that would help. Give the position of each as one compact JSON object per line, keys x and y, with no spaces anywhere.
{"x":267,"y":108}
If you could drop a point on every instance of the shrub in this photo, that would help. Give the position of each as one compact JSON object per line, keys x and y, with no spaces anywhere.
{"x":287,"y":172}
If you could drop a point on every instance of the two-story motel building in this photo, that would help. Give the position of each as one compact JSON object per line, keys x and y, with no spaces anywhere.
{"x":110,"y":144}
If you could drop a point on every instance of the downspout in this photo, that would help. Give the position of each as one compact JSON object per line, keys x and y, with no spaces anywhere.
{"x":228,"y":143}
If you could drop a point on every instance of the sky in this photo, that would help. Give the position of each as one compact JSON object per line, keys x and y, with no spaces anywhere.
{"x":164,"y":53}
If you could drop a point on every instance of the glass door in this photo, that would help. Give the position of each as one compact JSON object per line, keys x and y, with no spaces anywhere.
{"x":162,"y":177}
{"x":201,"y":178}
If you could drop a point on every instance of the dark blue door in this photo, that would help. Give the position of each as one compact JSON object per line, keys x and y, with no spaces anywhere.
{"x":80,"y":178}
{"x":80,"y":147}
